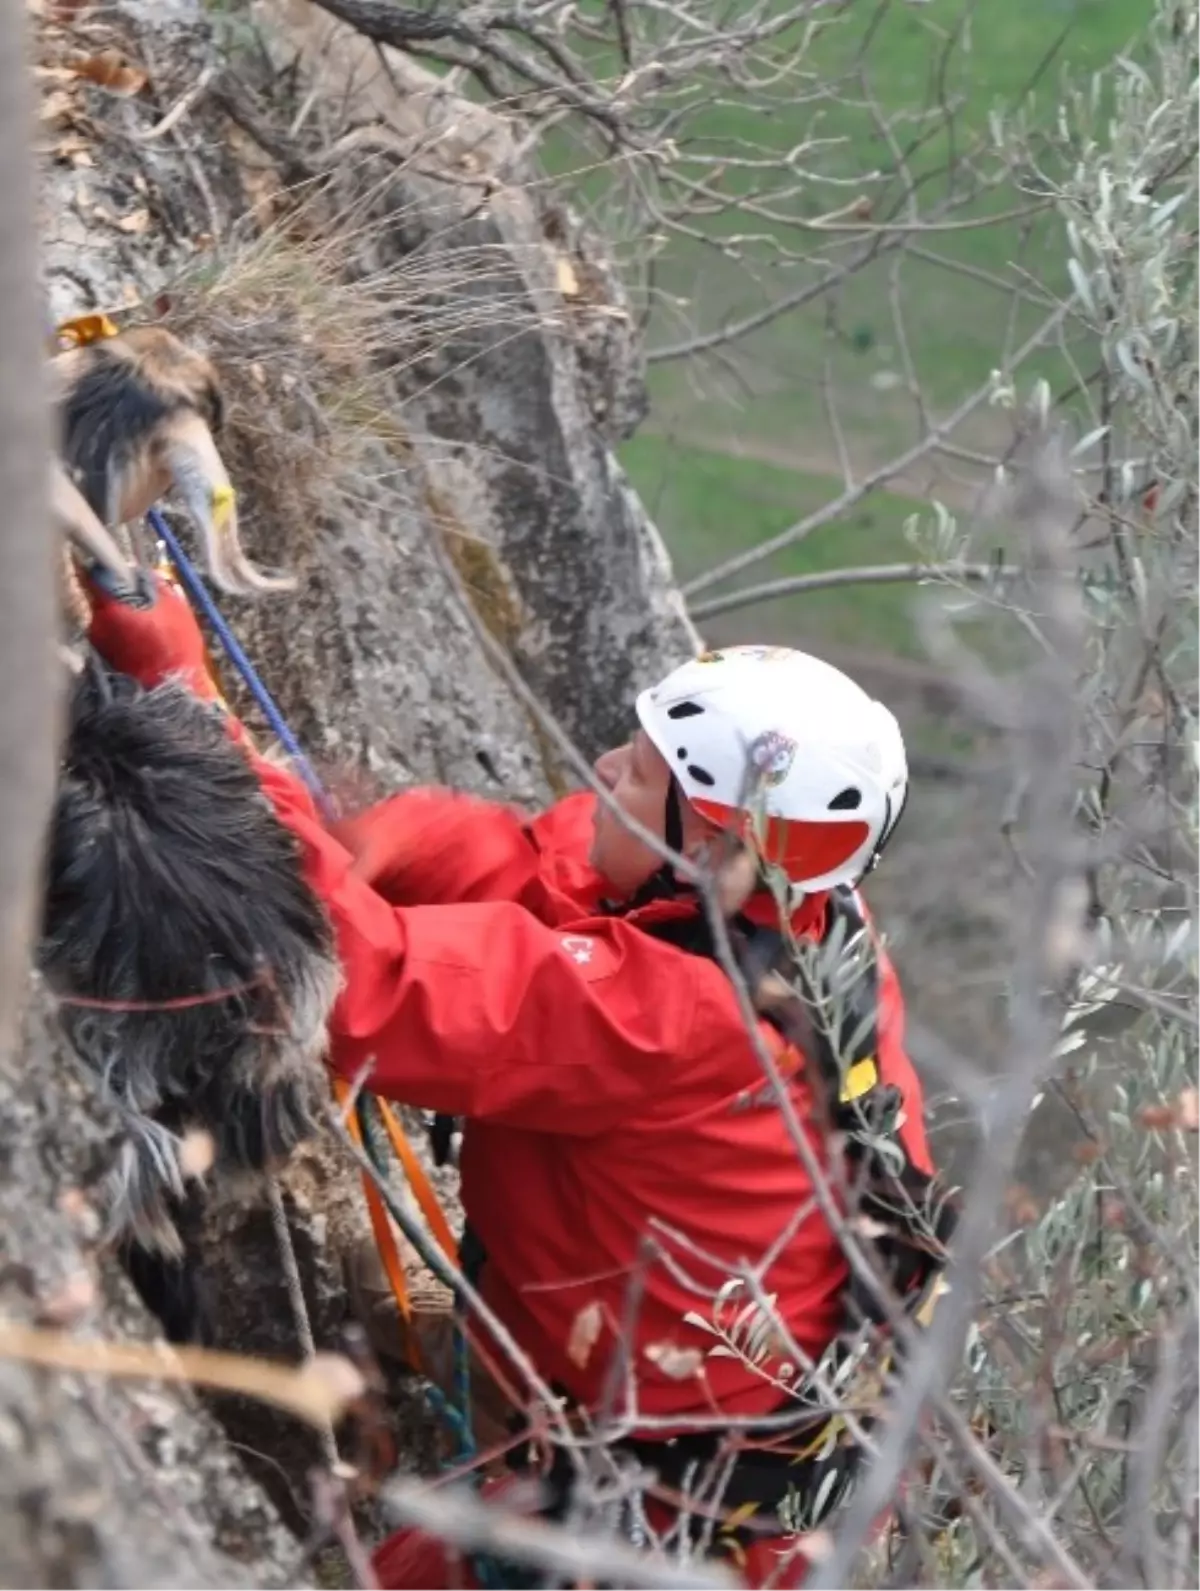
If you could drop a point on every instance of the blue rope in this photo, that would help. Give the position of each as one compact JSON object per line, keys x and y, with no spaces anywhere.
{"x":198,"y":592}
{"x":457,"y":1418}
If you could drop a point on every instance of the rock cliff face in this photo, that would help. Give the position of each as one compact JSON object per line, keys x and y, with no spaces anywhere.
{"x":479,"y":467}
{"x":102,"y":1482}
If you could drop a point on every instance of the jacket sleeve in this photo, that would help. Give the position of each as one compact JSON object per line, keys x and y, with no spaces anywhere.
{"x":431,"y":847}
{"x":481,"y":1010}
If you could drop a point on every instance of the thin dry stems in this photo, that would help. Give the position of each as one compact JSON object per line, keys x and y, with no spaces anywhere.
{"x":459,"y":1518}
{"x":319,"y":1392}
{"x":1050,"y":739}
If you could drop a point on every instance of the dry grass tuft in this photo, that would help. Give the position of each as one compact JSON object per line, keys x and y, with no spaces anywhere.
{"x":309,"y":341}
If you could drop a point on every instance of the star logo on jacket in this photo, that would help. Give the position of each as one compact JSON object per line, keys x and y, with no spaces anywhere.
{"x":578,"y":948}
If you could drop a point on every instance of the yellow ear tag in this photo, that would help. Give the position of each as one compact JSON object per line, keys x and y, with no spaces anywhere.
{"x":84,"y":329}
{"x":223,"y":500}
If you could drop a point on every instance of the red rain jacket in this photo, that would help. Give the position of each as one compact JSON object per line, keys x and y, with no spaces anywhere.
{"x":613,"y":1094}
{"x":618,"y":1112}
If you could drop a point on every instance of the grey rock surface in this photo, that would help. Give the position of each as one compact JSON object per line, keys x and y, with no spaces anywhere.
{"x":103,"y":1482}
{"x":497,"y":464}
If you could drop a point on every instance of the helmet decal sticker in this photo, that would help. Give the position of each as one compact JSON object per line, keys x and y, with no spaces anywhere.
{"x":772,"y":754}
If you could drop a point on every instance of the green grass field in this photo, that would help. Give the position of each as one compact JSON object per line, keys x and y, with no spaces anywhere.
{"x":709,"y":503}
{"x":727,"y":504}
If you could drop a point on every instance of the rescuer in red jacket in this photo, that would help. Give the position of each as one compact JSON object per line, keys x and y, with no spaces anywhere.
{"x":537,"y":977}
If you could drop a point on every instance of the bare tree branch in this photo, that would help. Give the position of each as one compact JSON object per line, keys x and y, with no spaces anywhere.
{"x":880,"y":574}
{"x":576,"y":1555}
{"x":1050,"y":734}
{"x":878,"y":477}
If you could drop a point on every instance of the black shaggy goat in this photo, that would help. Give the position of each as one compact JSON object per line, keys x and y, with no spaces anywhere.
{"x":194,"y":967}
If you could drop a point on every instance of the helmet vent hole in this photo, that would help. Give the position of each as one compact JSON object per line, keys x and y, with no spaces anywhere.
{"x":685,"y":710}
{"x":847,"y":800}
{"x":700,"y":775}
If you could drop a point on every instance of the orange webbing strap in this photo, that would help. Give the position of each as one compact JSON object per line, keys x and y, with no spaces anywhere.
{"x":431,"y":1209}
{"x":381,"y":1227}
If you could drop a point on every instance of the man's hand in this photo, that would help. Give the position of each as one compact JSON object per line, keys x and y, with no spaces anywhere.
{"x":433,"y":847}
{"x":150,"y":634}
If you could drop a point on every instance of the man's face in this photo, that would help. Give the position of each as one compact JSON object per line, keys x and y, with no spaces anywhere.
{"x":637,"y":777}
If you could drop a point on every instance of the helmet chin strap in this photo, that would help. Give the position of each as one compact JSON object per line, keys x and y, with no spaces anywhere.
{"x":673,"y":822}
{"x":663,"y":885}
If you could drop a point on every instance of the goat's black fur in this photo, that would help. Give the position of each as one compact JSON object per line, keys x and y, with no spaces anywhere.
{"x":110,"y":414}
{"x":106,"y":417}
{"x":169,"y":877}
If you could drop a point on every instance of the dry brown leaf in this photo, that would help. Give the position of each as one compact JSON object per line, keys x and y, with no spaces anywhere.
{"x":70,"y":147}
{"x":866,"y":1226}
{"x":585,"y":1332}
{"x":74,"y":1205}
{"x":739,"y":1516}
{"x":136,"y":222}
{"x":70,"y":1302}
{"x":112,"y":71}
{"x":1157,"y":1117}
{"x":1188,"y":1110}
{"x":816,"y":1545}
{"x":197,"y":1152}
{"x":56,"y":106}
{"x":331,"y":1376}
{"x":677,"y":1363}
{"x":568,"y":282}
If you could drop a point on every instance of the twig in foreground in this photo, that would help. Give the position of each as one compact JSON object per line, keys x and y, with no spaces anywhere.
{"x":463,"y":1521}
{"x":319,"y":1392}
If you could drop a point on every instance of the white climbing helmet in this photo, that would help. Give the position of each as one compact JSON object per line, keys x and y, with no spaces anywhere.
{"x":768,"y":729}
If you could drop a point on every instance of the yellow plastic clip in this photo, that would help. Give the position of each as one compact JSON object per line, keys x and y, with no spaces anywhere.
{"x":860,"y":1079}
{"x":934,"y":1293}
